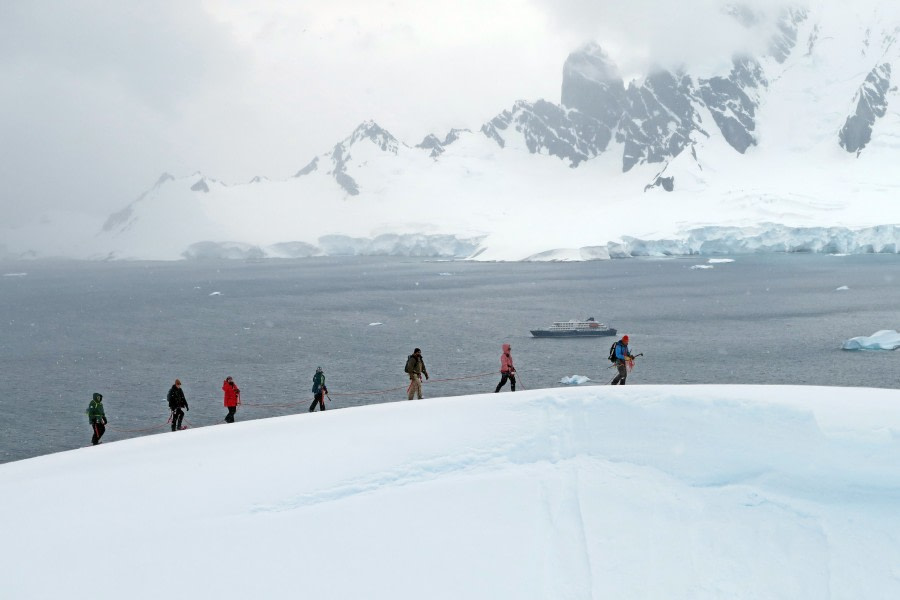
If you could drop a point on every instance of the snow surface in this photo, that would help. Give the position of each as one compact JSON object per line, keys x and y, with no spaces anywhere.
{"x":604,"y":492}
{"x":885,"y":339}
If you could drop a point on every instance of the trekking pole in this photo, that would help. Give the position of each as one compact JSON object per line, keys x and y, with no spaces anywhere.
{"x":519,"y":379}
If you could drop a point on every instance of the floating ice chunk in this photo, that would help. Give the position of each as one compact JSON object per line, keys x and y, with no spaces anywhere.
{"x":843,"y":288}
{"x":886,"y":339}
{"x":702,"y":267}
{"x":445,"y":274}
{"x":374,"y":324}
{"x":15,"y":274}
{"x":574,"y":380}
{"x":216,"y":294}
{"x":719,"y":261}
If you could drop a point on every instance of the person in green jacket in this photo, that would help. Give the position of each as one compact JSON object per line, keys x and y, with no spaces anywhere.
{"x":319,"y":390}
{"x":97,"y":418}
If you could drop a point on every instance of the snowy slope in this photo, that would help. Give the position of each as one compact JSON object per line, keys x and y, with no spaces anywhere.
{"x":791,"y":148}
{"x":625,"y":492}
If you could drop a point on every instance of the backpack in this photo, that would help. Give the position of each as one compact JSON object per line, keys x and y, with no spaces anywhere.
{"x":612,"y":352}
{"x":406,"y":367}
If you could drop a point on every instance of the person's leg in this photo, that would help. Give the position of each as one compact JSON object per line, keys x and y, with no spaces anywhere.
{"x":503,"y":378}
{"x":312,"y":407}
{"x":180,"y":415}
{"x":619,"y":377}
{"x":512,"y":382}
{"x":101,"y":429}
{"x":96,"y":437}
{"x":411,"y":390}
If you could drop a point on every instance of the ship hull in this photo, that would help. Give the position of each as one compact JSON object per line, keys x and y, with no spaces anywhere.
{"x":542,"y":333}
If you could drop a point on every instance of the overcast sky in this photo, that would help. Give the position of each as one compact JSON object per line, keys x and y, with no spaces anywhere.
{"x":100,"y":97}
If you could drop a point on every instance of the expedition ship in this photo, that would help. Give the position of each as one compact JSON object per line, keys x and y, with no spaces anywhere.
{"x":587,"y":328}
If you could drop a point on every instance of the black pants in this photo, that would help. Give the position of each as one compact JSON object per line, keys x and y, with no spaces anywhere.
{"x":177,"y":417}
{"x":623,"y":373}
{"x":503,"y":377}
{"x":229,"y":418}
{"x":99,"y":430}
{"x":320,"y":399}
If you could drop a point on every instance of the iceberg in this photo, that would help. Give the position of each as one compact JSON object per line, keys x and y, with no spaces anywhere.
{"x":574,"y":380}
{"x":885,"y":339}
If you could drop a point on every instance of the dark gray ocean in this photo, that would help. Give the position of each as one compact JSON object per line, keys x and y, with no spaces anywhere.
{"x":127,"y":330}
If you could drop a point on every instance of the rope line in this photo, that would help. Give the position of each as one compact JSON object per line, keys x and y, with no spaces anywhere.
{"x":295,"y":403}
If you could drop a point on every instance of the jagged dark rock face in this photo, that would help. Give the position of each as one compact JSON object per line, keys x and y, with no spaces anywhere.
{"x":654,"y":120}
{"x":431,"y":142}
{"x":549,"y":128}
{"x":871,"y":105}
{"x":341,"y":154}
{"x":312,"y":166}
{"x":200,"y":186}
{"x":593,"y":86}
{"x":658,"y":120}
{"x":340,"y":170}
{"x":732,"y":108}
{"x":784,"y":40}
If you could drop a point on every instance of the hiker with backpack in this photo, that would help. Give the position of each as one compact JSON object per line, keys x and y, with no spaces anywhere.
{"x":232,"y":398}
{"x":97,"y":418}
{"x":415,"y":368}
{"x":621,"y":355}
{"x":319,"y":390}
{"x":177,"y":401}
{"x":507,"y":370}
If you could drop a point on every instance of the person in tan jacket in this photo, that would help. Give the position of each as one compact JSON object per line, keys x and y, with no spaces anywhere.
{"x":415,"y":367}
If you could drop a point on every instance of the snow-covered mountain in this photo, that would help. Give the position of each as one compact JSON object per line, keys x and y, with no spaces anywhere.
{"x":790,"y":149}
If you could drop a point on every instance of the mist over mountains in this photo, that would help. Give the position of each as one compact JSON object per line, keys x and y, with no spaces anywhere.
{"x":791,"y":149}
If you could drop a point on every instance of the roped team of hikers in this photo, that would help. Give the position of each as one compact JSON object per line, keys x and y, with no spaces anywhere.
{"x":620,"y":354}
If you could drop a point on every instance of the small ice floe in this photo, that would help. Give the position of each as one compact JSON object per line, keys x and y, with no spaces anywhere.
{"x":445,"y":274}
{"x":720,"y":261}
{"x":574,"y":380}
{"x":843,"y":288}
{"x":15,"y":274}
{"x":886,"y":339}
{"x":216,"y":294}
{"x":702,"y":267}
{"x":375,"y":324}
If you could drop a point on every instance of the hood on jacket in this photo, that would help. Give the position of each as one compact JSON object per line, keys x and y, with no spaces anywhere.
{"x":98,"y":397}
{"x":505,"y":348}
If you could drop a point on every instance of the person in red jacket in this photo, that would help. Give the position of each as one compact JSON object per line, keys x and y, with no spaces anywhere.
{"x":507,"y":370}
{"x":232,"y":398}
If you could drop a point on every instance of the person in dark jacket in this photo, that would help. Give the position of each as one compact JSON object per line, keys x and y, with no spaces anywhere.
{"x":232,"y":398}
{"x":97,"y":418}
{"x":177,"y":401}
{"x":415,"y":368}
{"x":319,"y":390}
{"x":507,"y":370}
{"x":623,"y":356}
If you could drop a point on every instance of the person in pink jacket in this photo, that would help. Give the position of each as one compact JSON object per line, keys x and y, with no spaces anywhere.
{"x":232,"y":398}
{"x":507,"y":370}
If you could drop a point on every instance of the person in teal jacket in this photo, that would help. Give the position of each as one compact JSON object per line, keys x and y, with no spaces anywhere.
{"x":97,"y":418}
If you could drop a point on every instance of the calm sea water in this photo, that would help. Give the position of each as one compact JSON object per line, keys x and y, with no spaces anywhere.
{"x":127,"y":330}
